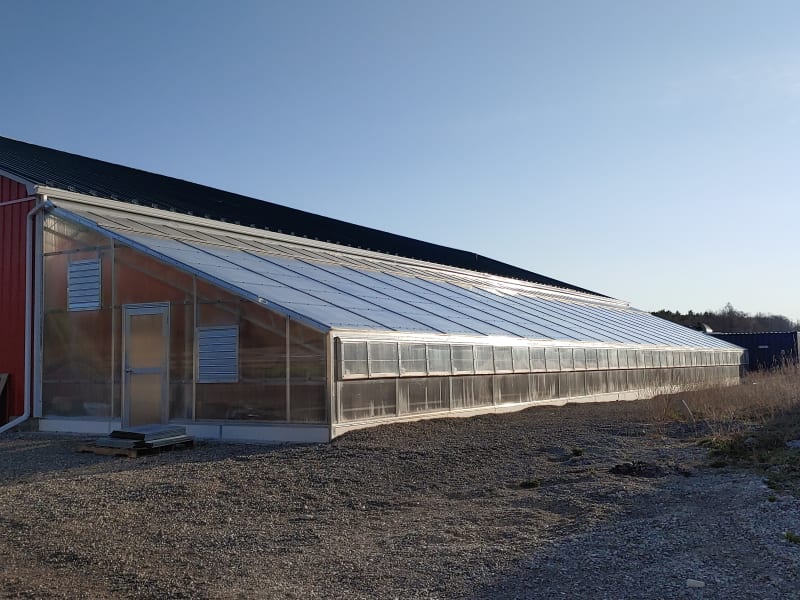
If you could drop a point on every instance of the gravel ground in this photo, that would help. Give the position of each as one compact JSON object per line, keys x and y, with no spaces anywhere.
{"x":500,"y":506}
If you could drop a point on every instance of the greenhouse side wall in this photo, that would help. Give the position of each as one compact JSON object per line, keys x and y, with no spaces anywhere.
{"x":387,"y":381}
{"x":277,"y":382}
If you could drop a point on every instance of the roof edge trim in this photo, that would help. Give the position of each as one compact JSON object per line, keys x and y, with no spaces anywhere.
{"x":289,"y":314}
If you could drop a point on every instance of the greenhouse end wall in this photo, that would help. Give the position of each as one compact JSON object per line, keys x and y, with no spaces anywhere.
{"x":380,"y":381}
{"x":275,"y":375}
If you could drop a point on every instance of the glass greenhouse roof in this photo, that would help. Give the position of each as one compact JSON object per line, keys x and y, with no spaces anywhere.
{"x":343,"y":288}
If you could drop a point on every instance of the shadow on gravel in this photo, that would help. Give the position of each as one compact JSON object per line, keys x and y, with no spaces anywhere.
{"x":705,"y":537}
{"x":29,"y":456}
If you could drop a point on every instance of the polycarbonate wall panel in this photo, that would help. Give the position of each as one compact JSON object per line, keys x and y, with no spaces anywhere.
{"x":544,"y":386}
{"x":579,"y":359}
{"x":521,"y":359}
{"x":551,"y":357}
{"x":537,"y":359}
{"x":512,"y":389}
{"x":307,"y":374}
{"x":565,"y":359}
{"x":77,"y":367}
{"x":383,"y":358}
{"x":484,"y":359}
{"x":413,"y":359}
{"x":439,"y":359}
{"x":503,"y":362}
{"x":367,"y":399}
{"x":463,"y":359}
{"x":77,"y":364}
{"x":428,"y":394}
{"x":354,"y":359}
{"x":471,"y":391}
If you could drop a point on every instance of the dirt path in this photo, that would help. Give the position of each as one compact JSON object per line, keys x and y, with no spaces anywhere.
{"x":508,"y":506}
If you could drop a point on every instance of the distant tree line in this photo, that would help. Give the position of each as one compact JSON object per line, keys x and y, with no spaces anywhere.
{"x":730,"y":320}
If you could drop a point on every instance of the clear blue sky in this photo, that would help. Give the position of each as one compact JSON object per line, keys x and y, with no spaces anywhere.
{"x":647,"y":150}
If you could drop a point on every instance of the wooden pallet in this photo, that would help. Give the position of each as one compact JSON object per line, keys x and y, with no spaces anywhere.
{"x":130,"y":452}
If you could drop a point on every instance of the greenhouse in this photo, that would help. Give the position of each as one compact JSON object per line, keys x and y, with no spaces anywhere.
{"x":150,"y":316}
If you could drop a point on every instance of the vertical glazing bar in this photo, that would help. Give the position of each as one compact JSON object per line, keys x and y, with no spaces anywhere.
{"x":330,"y":389}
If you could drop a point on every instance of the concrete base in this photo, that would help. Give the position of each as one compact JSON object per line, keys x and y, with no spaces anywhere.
{"x":89,"y":427}
{"x":234,"y":432}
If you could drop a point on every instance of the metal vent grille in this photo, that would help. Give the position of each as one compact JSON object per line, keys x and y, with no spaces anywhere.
{"x":83,"y":285}
{"x":218,"y":355}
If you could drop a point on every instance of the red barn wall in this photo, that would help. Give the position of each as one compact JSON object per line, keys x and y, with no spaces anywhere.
{"x":12,"y":295}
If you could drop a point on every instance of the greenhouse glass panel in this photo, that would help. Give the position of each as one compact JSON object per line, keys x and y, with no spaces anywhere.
{"x":367,"y":399}
{"x":617,"y":381}
{"x":613,"y":359}
{"x":551,"y":359}
{"x":61,"y":235}
{"x":571,"y":384}
{"x":484,"y":359}
{"x":383,"y":358}
{"x":502,"y":359}
{"x":521,"y":359}
{"x":602,"y":358}
{"x":591,"y":359}
{"x":463,"y":359}
{"x":439,"y":359}
{"x":354,"y":359}
{"x":471,"y":391}
{"x":418,"y":395}
{"x":307,"y":374}
{"x":635,"y":379}
{"x":550,"y":386}
{"x":565,"y":358}
{"x":537,"y":359}
{"x":76,"y":363}
{"x":181,"y":360}
{"x":596,"y":382}
{"x":512,"y":388}
{"x":579,"y":359}
{"x":243,"y":401}
{"x":413,"y":359}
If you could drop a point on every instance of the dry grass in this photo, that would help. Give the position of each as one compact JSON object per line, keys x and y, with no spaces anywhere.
{"x":746,"y":425}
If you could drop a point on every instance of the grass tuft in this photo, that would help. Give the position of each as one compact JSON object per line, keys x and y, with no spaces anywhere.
{"x":746,"y":425}
{"x":792,"y":537}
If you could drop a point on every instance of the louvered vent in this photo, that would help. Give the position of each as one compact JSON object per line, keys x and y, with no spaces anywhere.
{"x":218,"y":355}
{"x":83,"y":285}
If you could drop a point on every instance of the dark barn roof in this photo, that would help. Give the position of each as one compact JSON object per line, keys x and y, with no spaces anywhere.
{"x":62,"y":170}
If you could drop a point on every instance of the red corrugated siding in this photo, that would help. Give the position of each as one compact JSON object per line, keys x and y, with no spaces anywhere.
{"x":12,"y":294}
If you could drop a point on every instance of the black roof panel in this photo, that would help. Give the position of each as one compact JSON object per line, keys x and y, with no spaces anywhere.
{"x":54,"y":168}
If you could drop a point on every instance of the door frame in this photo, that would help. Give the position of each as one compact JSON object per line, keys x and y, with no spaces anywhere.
{"x":146,"y":308}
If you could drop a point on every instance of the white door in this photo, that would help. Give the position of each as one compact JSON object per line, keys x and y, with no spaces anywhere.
{"x":145,"y":363}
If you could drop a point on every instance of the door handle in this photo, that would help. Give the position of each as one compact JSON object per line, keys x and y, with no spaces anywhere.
{"x":129,"y":370}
